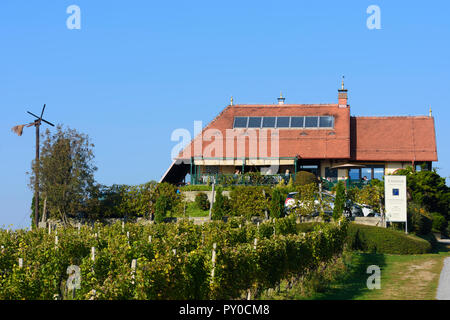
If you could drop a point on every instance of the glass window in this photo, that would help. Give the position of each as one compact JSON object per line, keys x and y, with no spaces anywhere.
{"x":366,"y":173}
{"x":331,"y":174}
{"x":240,"y":122}
{"x":254,"y":122}
{"x":354,"y":174}
{"x":326,"y":122}
{"x":297,"y":122}
{"x":311,"y":122}
{"x":269,"y":122}
{"x":378,"y":173}
{"x":283,"y":122}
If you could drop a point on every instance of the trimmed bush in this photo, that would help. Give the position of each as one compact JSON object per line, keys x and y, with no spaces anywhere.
{"x":202,"y":202}
{"x":339,"y":203}
{"x":161,"y":207}
{"x":380,"y":240}
{"x":248,"y":201}
{"x":221,"y":206}
{"x":305,"y":177}
{"x":277,"y":203}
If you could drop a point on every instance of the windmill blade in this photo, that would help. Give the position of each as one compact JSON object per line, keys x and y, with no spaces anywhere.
{"x":42,"y":113}
{"x":48,"y":122}
{"x":33,"y":114}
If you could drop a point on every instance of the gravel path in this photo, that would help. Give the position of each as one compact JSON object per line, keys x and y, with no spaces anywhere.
{"x":443,"y":291}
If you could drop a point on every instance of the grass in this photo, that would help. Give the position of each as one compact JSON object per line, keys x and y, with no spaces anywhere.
{"x":403,"y":277}
{"x":193,"y":211}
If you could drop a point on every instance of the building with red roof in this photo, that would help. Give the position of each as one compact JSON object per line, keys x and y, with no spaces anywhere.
{"x":320,"y":138}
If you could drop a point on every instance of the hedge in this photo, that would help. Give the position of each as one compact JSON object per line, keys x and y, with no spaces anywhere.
{"x":378,"y":240}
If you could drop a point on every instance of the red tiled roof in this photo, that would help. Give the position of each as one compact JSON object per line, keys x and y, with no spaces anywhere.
{"x":393,"y":138}
{"x":316,"y":144}
{"x":355,"y":138}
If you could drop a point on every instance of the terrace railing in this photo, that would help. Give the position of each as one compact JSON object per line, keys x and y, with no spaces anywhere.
{"x":252,"y":179}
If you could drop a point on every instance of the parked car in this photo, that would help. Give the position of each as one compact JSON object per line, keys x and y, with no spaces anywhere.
{"x":351,"y":209}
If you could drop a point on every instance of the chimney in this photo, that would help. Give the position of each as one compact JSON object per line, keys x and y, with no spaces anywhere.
{"x":281,"y":99}
{"x":342,"y":96}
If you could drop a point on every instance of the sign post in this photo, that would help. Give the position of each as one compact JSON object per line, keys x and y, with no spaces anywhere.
{"x":395,"y":199}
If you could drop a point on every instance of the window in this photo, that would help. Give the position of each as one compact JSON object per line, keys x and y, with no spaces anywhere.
{"x":297,"y":122}
{"x":378,"y":173}
{"x":326,"y":122}
{"x":240,"y":122}
{"x":354,"y":174}
{"x":269,"y":122}
{"x":282,"y":122}
{"x":254,"y":122}
{"x":311,"y":122}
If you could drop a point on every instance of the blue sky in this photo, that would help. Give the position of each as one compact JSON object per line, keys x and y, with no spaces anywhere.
{"x":137,"y":70}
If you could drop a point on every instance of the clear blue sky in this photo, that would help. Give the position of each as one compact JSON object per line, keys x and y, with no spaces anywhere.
{"x":137,"y":70}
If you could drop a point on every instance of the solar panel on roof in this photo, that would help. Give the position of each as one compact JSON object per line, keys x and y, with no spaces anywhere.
{"x":297,"y":122}
{"x":311,"y":122}
{"x":254,"y":122}
{"x":283,"y":122}
{"x":269,"y":122}
{"x":240,"y":122}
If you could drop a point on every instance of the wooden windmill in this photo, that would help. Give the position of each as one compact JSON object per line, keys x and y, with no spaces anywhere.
{"x":19,"y":130}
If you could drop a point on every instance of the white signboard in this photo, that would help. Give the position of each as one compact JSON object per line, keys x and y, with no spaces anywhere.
{"x":395,"y":198}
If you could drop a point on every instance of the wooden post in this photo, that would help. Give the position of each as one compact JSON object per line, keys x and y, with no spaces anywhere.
{"x":56,"y":242}
{"x":93,"y":254}
{"x":213,"y":261}
{"x":133,"y":270}
{"x":212,"y":202}
{"x":37,"y":123}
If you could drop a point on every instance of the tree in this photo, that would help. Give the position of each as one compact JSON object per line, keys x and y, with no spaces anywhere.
{"x":66,"y":172}
{"x":428,"y":189}
{"x":339,"y":202}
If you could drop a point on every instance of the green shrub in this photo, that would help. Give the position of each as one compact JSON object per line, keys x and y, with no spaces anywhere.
{"x":202,"y":202}
{"x":419,"y":220}
{"x":277,"y":203}
{"x":304,"y":177}
{"x":248,"y":201}
{"x":339,"y":203}
{"x":161,"y":207}
{"x":439,"y":224}
{"x":221,"y":206}
{"x":380,"y":240}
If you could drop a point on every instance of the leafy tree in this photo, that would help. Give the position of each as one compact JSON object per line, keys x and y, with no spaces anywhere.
{"x":66,"y":172}
{"x":428,"y":189}
{"x":340,"y":201}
